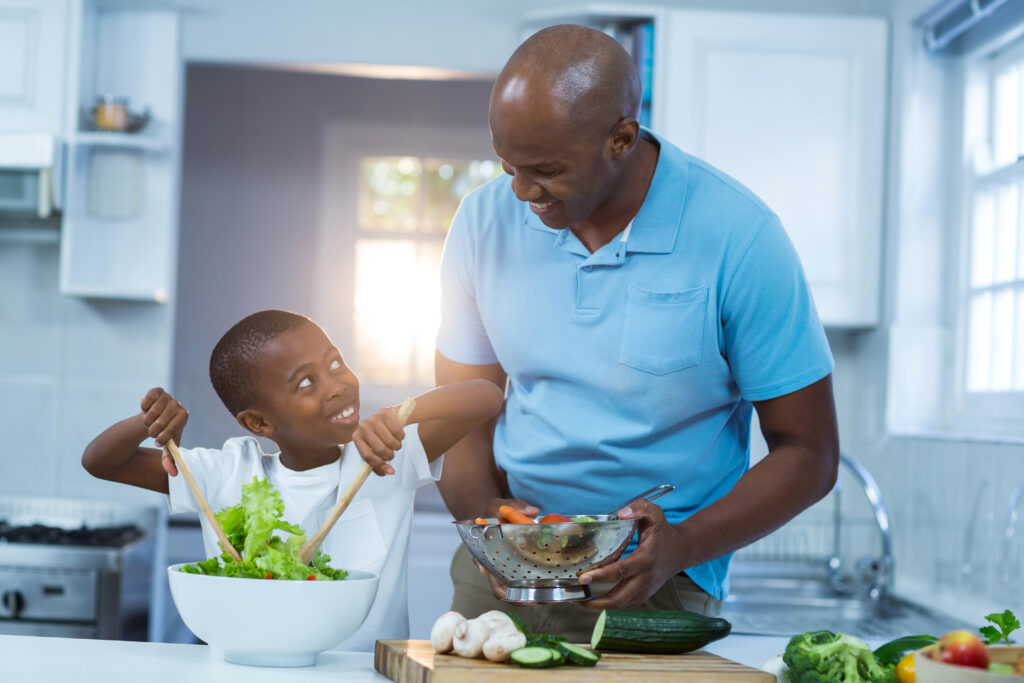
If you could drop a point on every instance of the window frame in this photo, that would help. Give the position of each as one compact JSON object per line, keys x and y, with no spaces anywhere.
{"x":990,"y":412}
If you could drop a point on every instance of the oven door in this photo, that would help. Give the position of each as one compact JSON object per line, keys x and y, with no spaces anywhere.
{"x":48,"y":601}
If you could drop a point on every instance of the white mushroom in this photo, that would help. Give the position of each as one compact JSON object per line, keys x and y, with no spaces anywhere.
{"x":443,"y":631}
{"x":470,"y":637}
{"x":497,"y":620}
{"x":499,"y":645}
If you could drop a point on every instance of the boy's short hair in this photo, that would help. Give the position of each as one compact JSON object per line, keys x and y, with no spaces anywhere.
{"x":235,"y":361}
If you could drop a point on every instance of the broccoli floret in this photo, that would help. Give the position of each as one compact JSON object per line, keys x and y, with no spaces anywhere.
{"x":826,"y":657}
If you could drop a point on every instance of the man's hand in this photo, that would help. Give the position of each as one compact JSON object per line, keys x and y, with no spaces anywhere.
{"x":497,"y":587}
{"x":377,"y":438}
{"x":165,"y":419}
{"x":657,"y":559}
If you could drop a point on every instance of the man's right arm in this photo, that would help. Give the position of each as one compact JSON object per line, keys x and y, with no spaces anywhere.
{"x":470,"y":480}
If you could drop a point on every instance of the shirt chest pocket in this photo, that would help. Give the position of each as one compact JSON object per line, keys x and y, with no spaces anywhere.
{"x":356,"y":541}
{"x":662,"y":332}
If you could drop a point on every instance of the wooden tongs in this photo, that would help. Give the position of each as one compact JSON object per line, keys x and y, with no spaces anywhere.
{"x":194,"y":488}
{"x":307,"y":550}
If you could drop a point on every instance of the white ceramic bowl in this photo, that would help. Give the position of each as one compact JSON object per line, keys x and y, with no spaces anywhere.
{"x":929,"y":670}
{"x":272,"y":622}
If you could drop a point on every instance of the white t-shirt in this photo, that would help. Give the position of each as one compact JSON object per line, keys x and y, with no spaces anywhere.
{"x":372,"y":534}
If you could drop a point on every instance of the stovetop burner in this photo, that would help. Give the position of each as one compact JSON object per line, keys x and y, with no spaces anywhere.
{"x":109,"y":537}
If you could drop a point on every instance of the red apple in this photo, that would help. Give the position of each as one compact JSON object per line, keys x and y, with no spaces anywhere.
{"x":554,"y":518}
{"x":964,"y":649}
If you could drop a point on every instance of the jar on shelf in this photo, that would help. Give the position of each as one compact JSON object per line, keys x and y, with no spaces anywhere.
{"x":111,"y":113}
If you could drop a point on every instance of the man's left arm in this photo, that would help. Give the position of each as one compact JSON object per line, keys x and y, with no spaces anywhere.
{"x":800,"y":469}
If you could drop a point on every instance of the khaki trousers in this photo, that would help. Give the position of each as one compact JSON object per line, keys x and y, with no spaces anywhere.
{"x":473,"y":597}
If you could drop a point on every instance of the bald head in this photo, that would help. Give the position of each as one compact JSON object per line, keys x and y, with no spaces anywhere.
{"x":572,"y":73}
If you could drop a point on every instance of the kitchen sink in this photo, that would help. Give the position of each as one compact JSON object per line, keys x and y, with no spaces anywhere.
{"x":788,"y":606}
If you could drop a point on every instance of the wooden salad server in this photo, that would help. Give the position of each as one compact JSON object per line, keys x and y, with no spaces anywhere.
{"x":306,"y":553}
{"x":185,"y":472}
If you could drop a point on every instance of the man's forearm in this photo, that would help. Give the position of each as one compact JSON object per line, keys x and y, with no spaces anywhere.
{"x":771,"y":493}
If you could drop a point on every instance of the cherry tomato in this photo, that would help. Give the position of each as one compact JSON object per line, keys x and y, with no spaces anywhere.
{"x":554,"y":518}
{"x":311,"y":577}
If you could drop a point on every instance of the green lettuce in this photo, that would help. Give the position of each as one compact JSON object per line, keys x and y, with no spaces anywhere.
{"x":249,"y":527}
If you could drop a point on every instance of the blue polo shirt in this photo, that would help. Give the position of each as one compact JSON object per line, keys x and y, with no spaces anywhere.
{"x":635,"y":365}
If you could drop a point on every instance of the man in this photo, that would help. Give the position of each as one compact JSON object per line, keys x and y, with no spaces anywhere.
{"x":638,"y":302}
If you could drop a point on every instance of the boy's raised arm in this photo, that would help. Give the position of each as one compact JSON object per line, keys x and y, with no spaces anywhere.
{"x":445,"y":415}
{"x":116,"y":454}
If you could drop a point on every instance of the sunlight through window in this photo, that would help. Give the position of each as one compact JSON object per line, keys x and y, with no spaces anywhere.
{"x":405,"y":207}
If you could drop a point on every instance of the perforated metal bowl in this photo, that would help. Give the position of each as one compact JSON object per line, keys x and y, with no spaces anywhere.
{"x":542,"y":562}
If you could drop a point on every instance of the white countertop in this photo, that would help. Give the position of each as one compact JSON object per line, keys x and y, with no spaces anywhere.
{"x":35,"y":659}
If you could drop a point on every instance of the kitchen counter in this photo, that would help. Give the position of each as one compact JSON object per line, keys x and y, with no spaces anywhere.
{"x":33,"y":659}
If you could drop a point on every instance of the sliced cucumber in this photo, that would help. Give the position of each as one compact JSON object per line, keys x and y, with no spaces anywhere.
{"x":536,"y":657}
{"x":520,"y":624}
{"x":574,"y":654}
{"x":544,"y":639}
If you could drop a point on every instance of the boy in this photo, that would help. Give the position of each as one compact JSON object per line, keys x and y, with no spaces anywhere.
{"x":282,"y":378}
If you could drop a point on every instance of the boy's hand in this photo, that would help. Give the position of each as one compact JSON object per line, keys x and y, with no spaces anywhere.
{"x":165,"y":419}
{"x":377,"y":438}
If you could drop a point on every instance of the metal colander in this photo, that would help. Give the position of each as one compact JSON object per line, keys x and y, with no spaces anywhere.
{"x":541,"y":562}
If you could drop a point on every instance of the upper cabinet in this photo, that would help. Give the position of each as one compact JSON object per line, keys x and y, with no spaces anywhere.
{"x":793,"y":107}
{"x":123,"y":132}
{"x":33,"y":56}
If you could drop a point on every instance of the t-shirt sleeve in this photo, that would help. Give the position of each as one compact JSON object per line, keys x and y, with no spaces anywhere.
{"x":217,"y":471}
{"x":773,"y":339}
{"x":462,"y":336}
{"x":411,"y":466}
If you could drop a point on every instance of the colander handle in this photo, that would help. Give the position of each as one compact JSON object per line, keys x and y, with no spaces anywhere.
{"x":651,"y":494}
{"x":478,"y":530}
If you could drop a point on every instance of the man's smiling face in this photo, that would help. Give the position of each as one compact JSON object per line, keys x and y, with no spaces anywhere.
{"x":565,"y":173}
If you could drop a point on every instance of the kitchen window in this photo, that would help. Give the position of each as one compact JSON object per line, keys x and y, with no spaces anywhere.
{"x":990,"y":306}
{"x":405,"y":205}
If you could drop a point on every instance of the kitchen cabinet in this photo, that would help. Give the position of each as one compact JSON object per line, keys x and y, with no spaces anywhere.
{"x":792,"y":106}
{"x":119,"y":231}
{"x":33,"y":38}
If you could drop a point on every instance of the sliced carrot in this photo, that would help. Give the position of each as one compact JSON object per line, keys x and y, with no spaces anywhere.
{"x":481,"y":520}
{"x":515,"y":516}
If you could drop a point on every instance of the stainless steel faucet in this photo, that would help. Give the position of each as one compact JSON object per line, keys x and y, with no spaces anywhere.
{"x":874,"y":574}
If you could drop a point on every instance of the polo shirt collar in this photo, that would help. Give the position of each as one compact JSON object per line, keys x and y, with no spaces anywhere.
{"x":656,"y":225}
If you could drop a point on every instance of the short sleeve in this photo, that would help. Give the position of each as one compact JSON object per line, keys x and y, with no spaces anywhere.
{"x":218,"y":474}
{"x":773,"y":339}
{"x":461,"y":336}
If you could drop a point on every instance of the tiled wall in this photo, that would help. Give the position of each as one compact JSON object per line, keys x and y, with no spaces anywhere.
{"x":953,"y":524}
{"x":69,"y":368}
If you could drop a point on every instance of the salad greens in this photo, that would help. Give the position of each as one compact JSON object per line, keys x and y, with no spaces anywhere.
{"x":250,"y":527}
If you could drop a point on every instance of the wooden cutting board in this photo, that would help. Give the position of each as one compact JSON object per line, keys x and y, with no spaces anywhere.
{"x":414,"y":661}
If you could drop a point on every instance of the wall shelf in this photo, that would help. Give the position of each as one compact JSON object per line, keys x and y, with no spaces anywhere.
{"x":157,"y":296}
{"x":139,"y":141}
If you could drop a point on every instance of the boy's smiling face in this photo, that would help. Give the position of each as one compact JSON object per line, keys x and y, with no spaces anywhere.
{"x":309,"y":398}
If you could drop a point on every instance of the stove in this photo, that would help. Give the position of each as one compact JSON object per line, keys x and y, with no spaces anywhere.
{"x":75,"y":568}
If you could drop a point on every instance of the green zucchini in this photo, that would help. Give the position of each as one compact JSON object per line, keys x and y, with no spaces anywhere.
{"x":574,"y":654}
{"x":656,"y":631}
{"x":892,"y":652}
{"x":536,"y":657}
